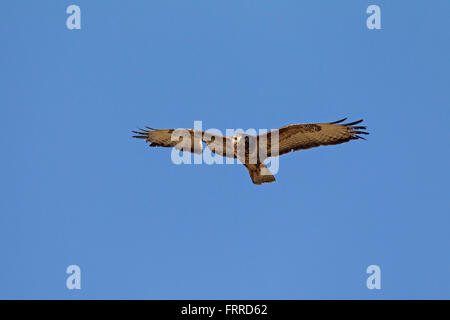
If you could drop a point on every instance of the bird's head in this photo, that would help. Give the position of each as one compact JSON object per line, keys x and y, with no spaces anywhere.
{"x":244,"y":143}
{"x":240,"y":138}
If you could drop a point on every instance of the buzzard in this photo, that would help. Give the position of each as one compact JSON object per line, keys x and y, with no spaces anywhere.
{"x":251,"y":150}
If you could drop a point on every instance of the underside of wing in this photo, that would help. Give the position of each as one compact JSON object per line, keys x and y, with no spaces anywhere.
{"x":182,"y":139}
{"x":304,"y":136}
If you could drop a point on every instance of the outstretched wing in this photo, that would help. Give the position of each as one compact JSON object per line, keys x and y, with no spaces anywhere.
{"x":181,"y":139}
{"x":186,"y":140}
{"x":304,"y":136}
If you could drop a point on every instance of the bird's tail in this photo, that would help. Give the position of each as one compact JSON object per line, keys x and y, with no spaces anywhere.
{"x":260,"y":173}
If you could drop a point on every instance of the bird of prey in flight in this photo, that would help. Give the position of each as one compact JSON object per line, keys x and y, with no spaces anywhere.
{"x":251,"y":150}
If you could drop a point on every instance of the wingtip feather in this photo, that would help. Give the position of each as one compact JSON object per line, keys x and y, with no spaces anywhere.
{"x":339,"y":121}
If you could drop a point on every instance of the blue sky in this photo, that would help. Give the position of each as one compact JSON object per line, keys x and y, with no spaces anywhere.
{"x":77,"y":189}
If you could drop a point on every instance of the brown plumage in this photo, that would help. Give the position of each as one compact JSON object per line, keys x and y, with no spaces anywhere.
{"x":304,"y":136}
{"x":290,"y":138}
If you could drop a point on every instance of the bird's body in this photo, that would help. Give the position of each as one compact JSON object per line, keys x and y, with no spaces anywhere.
{"x":251,"y":150}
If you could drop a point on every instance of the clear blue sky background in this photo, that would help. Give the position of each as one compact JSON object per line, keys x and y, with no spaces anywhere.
{"x":77,"y":189}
